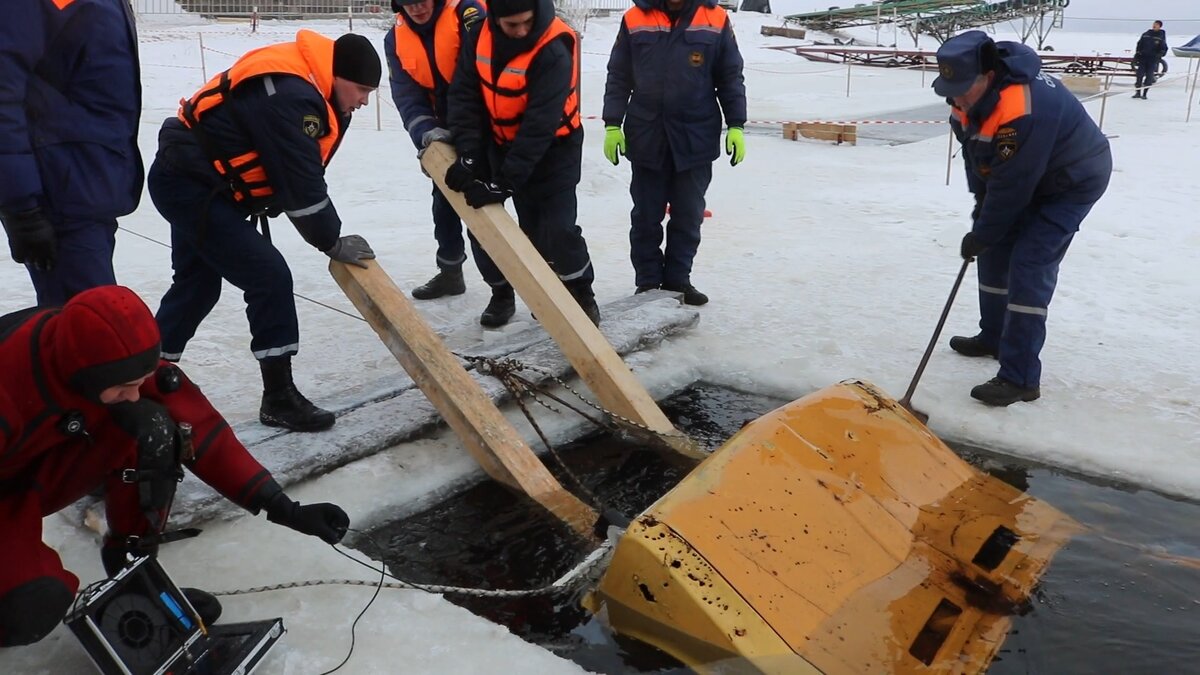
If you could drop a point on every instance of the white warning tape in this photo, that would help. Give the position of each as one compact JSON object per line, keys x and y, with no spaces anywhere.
{"x":847,"y":121}
{"x":596,"y":117}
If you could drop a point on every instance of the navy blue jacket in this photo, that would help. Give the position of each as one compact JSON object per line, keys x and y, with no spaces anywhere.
{"x":423,"y":110}
{"x":536,"y":161}
{"x":1152,"y":46}
{"x":1042,"y":146}
{"x":274,"y":125}
{"x":665,"y":87}
{"x":70,"y":99}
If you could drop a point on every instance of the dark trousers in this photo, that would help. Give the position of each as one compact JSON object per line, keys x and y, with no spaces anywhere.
{"x":652,"y":190}
{"x":85,"y":254}
{"x":447,"y":231}
{"x":549,"y":220}
{"x":1017,"y":278}
{"x":1147,"y":70}
{"x":212,"y":240}
{"x":28,"y":566}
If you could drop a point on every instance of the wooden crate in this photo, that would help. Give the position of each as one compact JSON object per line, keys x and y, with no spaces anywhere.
{"x":821,"y":131}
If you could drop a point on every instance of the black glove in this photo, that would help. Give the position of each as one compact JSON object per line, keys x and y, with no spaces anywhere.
{"x":481,"y":193}
{"x":461,"y":173}
{"x":116,"y":555}
{"x":31,"y":238}
{"x":327,"y":521}
{"x":352,"y":250}
{"x":971,"y":246}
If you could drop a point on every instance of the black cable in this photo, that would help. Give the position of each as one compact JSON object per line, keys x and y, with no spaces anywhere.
{"x":353,"y":626}
{"x":298,"y":295}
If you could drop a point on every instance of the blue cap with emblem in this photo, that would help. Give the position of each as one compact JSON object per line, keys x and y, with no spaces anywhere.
{"x":961,"y":59}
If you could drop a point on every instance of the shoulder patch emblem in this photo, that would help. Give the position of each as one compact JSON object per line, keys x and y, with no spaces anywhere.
{"x":312,"y":125}
{"x":696,"y":59}
{"x":470,"y":17}
{"x":1006,"y":148}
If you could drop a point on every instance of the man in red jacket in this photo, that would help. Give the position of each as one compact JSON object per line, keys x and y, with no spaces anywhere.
{"x":86,"y":402}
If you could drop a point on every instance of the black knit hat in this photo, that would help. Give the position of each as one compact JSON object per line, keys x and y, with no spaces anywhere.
{"x":503,"y":8}
{"x":355,"y":59}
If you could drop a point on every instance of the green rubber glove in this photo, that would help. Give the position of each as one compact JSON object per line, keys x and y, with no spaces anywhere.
{"x":735,"y":145}
{"x":614,"y":144}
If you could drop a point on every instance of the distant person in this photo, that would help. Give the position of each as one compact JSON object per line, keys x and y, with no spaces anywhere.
{"x":1036,"y":163}
{"x":70,"y":101}
{"x":422,"y":51}
{"x":252,"y":144}
{"x":84,"y":399}
{"x":514,"y":112}
{"x":674,"y":79}
{"x":1151,"y":48}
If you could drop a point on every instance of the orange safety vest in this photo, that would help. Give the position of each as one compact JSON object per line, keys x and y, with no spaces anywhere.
{"x":446,"y":40}
{"x":507,"y":96}
{"x":309,"y":57}
{"x":710,"y":19}
{"x":1015,"y":102}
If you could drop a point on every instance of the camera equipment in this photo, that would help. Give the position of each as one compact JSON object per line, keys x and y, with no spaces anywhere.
{"x":140,"y":623}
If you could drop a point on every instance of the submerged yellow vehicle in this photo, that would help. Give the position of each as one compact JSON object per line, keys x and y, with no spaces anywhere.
{"x":835,"y":534}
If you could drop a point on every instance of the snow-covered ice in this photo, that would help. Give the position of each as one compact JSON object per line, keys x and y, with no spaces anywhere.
{"x":823,"y":263}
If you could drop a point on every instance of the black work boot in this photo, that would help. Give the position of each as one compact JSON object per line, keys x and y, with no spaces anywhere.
{"x":586,"y":298}
{"x":282,"y":404}
{"x":1000,"y":392}
{"x":647,"y":287}
{"x":207,"y":607}
{"x":500,"y":309}
{"x":972,"y":346}
{"x":448,"y":281}
{"x":691,"y":296}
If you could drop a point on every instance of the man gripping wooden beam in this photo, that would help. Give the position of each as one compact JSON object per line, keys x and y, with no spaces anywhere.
{"x":593,"y":358}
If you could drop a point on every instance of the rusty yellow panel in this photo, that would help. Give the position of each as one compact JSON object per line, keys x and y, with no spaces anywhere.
{"x":660,"y":590}
{"x":839,"y":530}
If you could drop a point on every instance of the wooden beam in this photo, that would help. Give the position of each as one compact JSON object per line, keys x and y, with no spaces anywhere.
{"x":487,"y":434}
{"x":797,"y":33}
{"x":613,"y":384}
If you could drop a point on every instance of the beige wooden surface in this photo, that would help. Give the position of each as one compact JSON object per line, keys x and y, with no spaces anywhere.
{"x":487,"y":434}
{"x":597,"y":364}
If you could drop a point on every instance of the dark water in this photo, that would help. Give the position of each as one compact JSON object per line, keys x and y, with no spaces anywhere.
{"x":1119,"y":598}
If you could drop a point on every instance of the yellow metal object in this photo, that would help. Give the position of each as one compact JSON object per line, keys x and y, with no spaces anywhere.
{"x":834,"y":535}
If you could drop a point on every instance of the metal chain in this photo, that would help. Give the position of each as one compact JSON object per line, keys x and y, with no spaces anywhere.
{"x":491,"y":365}
{"x":505,"y":370}
{"x":593,"y":559}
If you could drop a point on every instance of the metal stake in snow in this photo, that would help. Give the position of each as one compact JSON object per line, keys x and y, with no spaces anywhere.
{"x":949,"y":155}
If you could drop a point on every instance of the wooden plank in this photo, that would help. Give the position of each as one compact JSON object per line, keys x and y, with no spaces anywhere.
{"x":797,"y":33}
{"x":487,"y":434}
{"x":584,"y":346}
{"x":379,"y":415}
